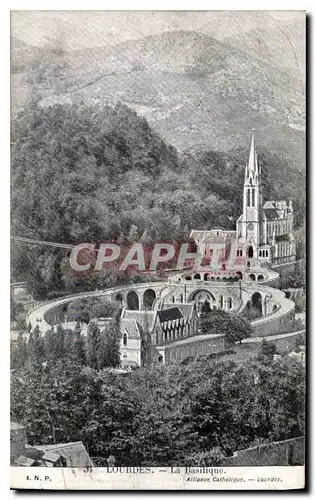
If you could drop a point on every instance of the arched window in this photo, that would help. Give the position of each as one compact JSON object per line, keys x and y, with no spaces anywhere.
{"x":124,"y":339}
{"x":250,"y":252}
{"x":119,"y":298}
{"x":260,"y":253}
{"x":240,"y":253}
{"x":149,"y":298}
{"x":132,"y":301}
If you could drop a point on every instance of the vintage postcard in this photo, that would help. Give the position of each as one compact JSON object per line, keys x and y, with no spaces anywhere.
{"x":158,"y":250}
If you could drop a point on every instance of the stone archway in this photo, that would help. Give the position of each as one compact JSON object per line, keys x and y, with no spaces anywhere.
{"x":149,"y":298}
{"x":202,"y":296}
{"x":132,"y":301}
{"x":256,"y":302}
{"x":119,"y":298}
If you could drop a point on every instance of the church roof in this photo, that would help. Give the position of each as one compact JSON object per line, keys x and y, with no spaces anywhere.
{"x":144,"y":319}
{"x":185,"y":308}
{"x":213,"y":235}
{"x":271,"y":213}
{"x":130,"y":326}
{"x":169,"y":314}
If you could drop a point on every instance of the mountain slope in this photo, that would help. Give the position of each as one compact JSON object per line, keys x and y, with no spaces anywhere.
{"x":193,"y":89}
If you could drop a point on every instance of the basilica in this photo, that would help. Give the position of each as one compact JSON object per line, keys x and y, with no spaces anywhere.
{"x":264,"y":231}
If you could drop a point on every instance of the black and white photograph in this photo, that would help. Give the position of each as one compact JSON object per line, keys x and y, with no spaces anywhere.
{"x":158,"y":249}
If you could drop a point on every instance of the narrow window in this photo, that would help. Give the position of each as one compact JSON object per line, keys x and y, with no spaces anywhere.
{"x":248,"y":198}
{"x":124,"y":339}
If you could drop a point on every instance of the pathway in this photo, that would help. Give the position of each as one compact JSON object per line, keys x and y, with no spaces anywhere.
{"x":272,"y":337}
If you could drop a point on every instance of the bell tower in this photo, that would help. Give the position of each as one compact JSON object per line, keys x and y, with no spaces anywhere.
{"x":252,"y":203}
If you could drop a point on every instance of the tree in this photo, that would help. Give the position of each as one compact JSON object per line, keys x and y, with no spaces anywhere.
{"x":104,"y":309}
{"x":93,"y":346}
{"x":19,"y":352}
{"x":54,"y":342}
{"x":234,"y":327}
{"x":109,"y":353}
{"x":15,"y":307}
{"x":267,"y":349}
{"x":205,"y":318}
{"x":153,"y":416}
{"x":35,"y":346}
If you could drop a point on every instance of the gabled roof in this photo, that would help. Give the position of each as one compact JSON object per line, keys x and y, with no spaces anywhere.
{"x":144,"y":319}
{"x":169,"y":314}
{"x":130,"y":326}
{"x":186,"y":308}
{"x":271,"y":213}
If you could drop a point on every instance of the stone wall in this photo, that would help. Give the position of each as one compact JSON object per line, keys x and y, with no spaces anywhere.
{"x":277,"y":324}
{"x":196,"y":346}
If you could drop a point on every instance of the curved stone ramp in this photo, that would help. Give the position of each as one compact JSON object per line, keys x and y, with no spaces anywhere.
{"x":269,"y":338}
{"x":273,"y":320}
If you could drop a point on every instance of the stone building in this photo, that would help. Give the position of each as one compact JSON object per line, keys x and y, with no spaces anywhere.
{"x":264,"y":230}
{"x":165,"y":325}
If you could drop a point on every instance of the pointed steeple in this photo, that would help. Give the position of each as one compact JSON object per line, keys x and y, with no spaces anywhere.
{"x":252,"y":170}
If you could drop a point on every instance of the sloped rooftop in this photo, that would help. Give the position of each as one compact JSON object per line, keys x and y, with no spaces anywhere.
{"x":75,"y":453}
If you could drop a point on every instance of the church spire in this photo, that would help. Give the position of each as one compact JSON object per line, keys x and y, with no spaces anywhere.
{"x":252,"y":170}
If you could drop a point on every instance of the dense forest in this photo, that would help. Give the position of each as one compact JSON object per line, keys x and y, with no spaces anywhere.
{"x":192,"y":413}
{"x":93,"y":173}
